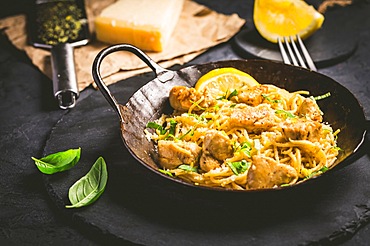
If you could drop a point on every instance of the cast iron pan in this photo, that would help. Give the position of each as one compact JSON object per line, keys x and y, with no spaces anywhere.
{"x":341,"y":109}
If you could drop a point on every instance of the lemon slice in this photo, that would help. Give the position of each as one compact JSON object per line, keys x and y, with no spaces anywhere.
{"x":278,"y":18}
{"x":221,"y":82}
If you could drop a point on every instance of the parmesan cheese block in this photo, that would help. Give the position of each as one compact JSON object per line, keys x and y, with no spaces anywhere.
{"x":147,"y":24}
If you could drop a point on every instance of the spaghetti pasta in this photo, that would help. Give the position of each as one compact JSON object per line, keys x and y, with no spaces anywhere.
{"x":259,"y":137}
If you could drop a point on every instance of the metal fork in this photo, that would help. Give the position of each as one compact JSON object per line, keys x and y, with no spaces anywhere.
{"x":295,"y":53}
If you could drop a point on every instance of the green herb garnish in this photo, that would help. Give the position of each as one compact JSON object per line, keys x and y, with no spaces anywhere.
{"x":322,"y":170}
{"x":322,"y":96}
{"x":239,"y":167}
{"x":286,"y":113}
{"x":338,"y":148}
{"x":58,"y":162}
{"x":200,"y":118}
{"x":197,"y":105}
{"x":90,"y":187}
{"x":270,"y":100}
{"x":232,"y":94}
{"x":246,"y":148}
{"x":162,"y":130}
{"x":168,"y":173}
{"x":188,"y":168}
{"x":156,"y":126}
{"x":173,"y":124}
{"x":186,"y":133}
{"x":228,"y":96}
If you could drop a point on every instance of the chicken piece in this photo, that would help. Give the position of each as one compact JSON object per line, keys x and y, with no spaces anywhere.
{"x":216,"y":148}
{"x":302,"y":130}
{"x":172,"y":154}
{"x":208,"y":163}
{"x":265,"y":172}
{"x":251,"y":95}
{"x":218,"y":145}
{"x":254,"y":119}
{"x":310,"y":109}
{"x":182,"y":98}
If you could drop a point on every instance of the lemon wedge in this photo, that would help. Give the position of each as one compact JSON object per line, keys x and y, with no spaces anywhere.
{"x":278,"y":18}
{"x":221,"y":82}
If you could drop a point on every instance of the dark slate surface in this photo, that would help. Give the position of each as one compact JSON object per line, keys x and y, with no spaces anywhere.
{"x":29,"y":214}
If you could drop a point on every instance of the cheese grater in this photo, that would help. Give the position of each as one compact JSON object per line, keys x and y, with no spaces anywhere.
{"x":60,"y":26}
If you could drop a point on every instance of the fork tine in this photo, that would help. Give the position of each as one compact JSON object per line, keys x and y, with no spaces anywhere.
{"x":282,"y":51}
{"x":306,"y":54}
{"x":297,"y":53}
{"x":290,"y":51}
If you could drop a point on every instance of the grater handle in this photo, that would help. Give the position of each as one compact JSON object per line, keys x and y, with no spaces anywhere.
{"x":64,"y":75}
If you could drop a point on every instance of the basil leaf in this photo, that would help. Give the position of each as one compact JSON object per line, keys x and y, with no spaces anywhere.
{"x":188,"y":168}
{"x":239,"y":167}
{"x":58,"y":162}
{"x":89,"y":188}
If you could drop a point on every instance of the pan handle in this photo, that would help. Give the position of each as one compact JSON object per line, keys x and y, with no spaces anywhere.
{"x":161,"y":73}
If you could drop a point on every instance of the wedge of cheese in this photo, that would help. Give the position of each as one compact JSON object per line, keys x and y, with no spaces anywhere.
{"x":147,"y":24}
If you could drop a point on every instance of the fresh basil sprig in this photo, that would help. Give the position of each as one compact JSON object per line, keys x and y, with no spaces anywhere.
{"x":59,"y":161}
{"x":90,"y":187}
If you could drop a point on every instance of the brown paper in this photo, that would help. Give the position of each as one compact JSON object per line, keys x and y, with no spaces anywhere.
{"x":331,"y":3}
{"x":198,"y":29}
